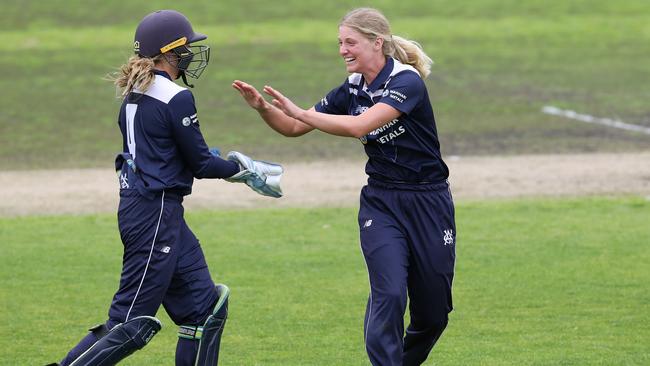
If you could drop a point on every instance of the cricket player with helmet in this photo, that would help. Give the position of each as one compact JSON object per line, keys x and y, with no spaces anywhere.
{"x":163,"y":151}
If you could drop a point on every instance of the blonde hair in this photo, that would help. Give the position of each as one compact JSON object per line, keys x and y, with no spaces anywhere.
{"x":373,"y":24}
{"x":137,"y":72}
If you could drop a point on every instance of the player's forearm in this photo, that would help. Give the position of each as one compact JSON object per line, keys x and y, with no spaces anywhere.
{"x":351,"y":126}
{"x":216,"y":167}
{"x":340,"y":125}
{"x":282,"y":123}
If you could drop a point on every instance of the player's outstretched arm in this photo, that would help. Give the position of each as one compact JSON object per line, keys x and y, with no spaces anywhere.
{"x":274,"y":117}
{"x":340,"y":125}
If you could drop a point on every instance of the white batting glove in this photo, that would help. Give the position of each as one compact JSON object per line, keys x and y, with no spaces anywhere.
{"x":261,"y":176}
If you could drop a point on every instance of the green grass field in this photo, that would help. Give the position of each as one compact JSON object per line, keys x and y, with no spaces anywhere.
{"x":538,"y":282}
{"x":497,"y":64}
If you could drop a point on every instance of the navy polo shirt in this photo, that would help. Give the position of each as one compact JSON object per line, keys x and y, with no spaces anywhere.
{"x":405,"y":149}
{"x":160,"y":129}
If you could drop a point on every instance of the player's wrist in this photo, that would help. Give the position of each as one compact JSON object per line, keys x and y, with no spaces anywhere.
{"x":264,"y":108}
{"x":302,"y":115}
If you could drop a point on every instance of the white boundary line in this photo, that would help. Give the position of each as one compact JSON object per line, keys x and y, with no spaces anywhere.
{"x":591,"y":119}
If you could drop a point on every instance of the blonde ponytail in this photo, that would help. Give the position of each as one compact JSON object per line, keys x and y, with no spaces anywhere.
{"x":411,"y":53}
{"x":373,"y":24}
{"x":137,"y":72}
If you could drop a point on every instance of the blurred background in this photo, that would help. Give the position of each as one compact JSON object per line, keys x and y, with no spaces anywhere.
{"x":497,"y":64}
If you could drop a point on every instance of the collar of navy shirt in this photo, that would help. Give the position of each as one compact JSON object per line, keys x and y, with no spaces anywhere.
{"x":380,"y":80}
{"x":162,"y":73}
{"x":134,"y":96}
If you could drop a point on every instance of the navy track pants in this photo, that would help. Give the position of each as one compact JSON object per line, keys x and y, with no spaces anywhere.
{"x":163,"y":263}
{"x":408,"y":239}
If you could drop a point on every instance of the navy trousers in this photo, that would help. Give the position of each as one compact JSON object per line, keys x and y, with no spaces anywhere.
{"x":408,"y":239}
{"x":162,"y":264}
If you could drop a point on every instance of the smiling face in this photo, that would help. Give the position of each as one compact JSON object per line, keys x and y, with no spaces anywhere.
{"x":360,"y":54}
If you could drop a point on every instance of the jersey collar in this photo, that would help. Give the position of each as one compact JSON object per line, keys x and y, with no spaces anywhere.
{"x":383,"y":75}
{"x":162,"y":73}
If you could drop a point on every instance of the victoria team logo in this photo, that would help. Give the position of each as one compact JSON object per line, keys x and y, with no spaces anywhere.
{"x":124,"y":181}
{"x":189,"y":120}
{"x":449,"y":237}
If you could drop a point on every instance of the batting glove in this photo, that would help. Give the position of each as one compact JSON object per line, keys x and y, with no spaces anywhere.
{"x":261,"y":176}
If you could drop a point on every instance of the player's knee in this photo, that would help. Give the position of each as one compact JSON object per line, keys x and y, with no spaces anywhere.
{"x":437,"y":328}
{"x":431,"y":330}
{"x":392,"y":299}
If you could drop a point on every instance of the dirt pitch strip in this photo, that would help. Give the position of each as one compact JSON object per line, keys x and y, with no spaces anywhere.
{"x":337,"y":184}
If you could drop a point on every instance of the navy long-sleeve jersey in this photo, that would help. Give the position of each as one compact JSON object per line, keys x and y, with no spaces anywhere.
{"x":160,"y":131}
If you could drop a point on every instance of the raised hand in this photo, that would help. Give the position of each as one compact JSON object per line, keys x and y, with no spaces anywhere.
{"x":283,"y":103}
{"x":250,"y":95}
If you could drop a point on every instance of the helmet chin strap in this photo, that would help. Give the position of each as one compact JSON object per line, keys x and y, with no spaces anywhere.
{"x":181,"y":73}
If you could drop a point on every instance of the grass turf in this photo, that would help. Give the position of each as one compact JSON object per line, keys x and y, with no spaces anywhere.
{"x":537,"y":282}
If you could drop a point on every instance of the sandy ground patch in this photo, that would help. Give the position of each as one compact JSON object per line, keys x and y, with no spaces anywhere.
{"x":337,"y":183}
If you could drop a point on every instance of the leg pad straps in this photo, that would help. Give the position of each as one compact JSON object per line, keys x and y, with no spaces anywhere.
{"x":190,"y":331}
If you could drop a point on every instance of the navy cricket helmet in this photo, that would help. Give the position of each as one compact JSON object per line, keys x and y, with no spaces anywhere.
{"x":162,"y":31}
{"x":168,"y":30}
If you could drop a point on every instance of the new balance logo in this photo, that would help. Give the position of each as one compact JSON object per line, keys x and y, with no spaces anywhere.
{"x":367,"y":223}
{"x":165,"y":249}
